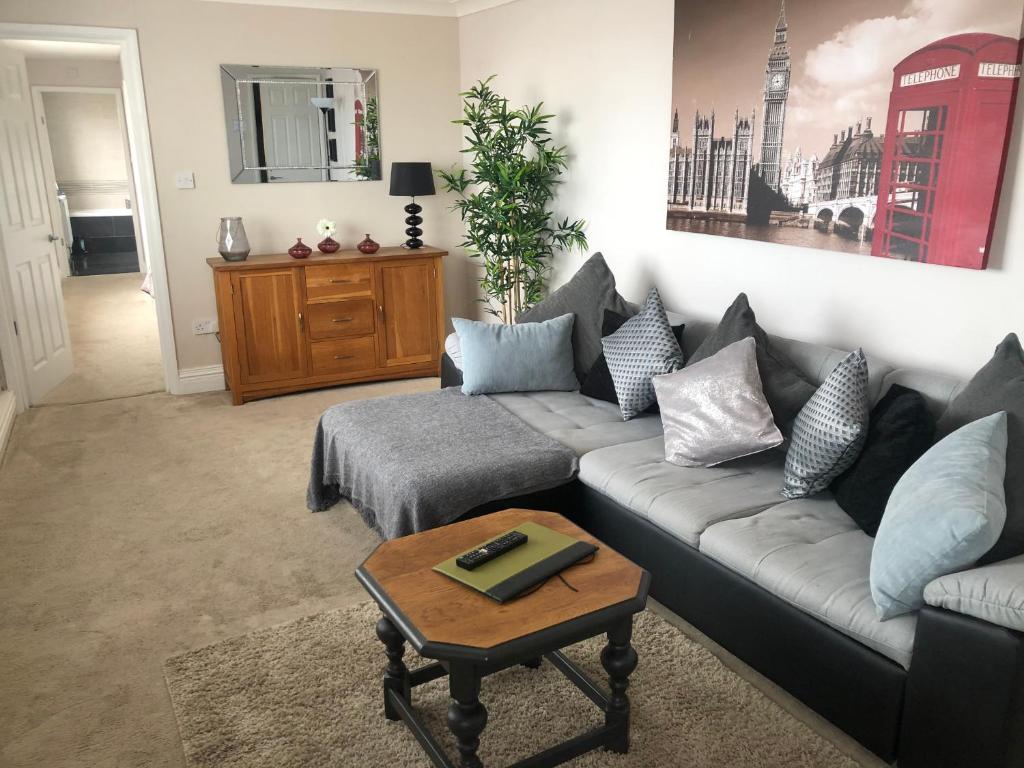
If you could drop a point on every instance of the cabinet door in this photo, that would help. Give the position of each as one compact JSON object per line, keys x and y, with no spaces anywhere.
{"x":407,"y":303}
{"x":268,"y":316}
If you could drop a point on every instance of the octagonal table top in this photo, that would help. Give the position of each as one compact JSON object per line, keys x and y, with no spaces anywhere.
{"x":443,"y":618}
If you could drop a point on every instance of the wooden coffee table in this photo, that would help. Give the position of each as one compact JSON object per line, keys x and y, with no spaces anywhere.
{"x":470,"y":636}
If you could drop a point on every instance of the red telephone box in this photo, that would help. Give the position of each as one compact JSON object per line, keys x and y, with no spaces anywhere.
{"x":359,"y":129}
{"x":946,"y":138}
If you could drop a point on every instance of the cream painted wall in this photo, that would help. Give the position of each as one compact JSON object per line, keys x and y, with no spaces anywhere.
{"x":87,"y":145}
{"x":92,"y":73}
{"x":183,"y":43}
{"x":607,"y":74}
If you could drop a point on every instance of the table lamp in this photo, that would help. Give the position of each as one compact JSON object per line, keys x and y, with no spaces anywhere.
{"x":410,"y":180}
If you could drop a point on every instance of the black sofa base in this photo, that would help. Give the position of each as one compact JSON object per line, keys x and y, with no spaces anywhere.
{"x":965,"y":694}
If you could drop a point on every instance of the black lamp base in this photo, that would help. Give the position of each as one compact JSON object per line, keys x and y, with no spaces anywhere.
{"x":413,"y":220}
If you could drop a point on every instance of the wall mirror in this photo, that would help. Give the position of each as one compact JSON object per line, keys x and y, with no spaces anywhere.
{"x":301,"y":123}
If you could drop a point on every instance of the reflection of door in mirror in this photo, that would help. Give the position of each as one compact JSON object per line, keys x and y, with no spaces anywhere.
{"x":290,"y":135}
{"x":301,"y":124}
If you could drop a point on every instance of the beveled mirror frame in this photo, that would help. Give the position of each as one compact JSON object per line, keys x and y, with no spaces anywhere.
{"x":301,"y":124}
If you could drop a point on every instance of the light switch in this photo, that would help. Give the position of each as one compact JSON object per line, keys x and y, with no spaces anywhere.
{"x":185,"y":180}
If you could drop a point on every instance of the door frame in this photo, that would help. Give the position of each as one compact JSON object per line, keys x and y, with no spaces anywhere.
{"x":143,"y":177}
{"x":46,"y":149}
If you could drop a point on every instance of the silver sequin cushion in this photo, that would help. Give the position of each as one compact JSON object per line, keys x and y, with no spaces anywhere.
{"x":642,"y":348}
{"x":830,"y":430}
{"x":715,"y":410}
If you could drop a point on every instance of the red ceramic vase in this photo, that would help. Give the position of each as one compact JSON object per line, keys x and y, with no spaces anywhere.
{"x":300,"y":250}
{"x":328,"y":245}
{"x":368,"y":246}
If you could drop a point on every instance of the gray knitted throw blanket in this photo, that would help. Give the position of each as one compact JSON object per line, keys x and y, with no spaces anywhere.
{"x":409,"y":463}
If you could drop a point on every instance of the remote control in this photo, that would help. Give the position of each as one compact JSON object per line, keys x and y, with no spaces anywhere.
{"x":491,"y":550}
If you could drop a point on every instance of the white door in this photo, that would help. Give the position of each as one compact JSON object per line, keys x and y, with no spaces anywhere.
{"x":26,"y":248}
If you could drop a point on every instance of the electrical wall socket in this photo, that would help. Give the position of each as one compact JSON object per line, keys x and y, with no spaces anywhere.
{"x":200,"y":327}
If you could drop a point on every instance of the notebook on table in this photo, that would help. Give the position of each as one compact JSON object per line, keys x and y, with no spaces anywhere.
{"x":546,"y":554}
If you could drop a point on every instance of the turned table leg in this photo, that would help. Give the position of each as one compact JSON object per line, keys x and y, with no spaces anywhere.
{"x":466,"y":715}
{"x":396,"y":676}
{"x":619,"y":659}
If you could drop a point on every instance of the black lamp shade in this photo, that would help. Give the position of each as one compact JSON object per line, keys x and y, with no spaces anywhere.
{"x":411,"y":179}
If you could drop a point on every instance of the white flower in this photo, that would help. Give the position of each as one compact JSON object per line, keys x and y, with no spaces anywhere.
{"x":325,"y":228}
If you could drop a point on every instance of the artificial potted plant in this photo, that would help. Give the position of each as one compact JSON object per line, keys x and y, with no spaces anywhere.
{"x":504,"y":197}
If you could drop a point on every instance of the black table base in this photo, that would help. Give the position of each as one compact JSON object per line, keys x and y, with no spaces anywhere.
{"x":467,"y":717}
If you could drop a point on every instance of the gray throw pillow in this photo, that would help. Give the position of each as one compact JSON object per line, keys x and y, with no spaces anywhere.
{"x":998,"y":386}
{"x":642,"y":348}
{"x":944,"y":513}
{"x":785,"y":387}
{"x":830,"y":430}
{"x":715,"y":411}
{"x":527,"y":357}
{"x":587,"y":295}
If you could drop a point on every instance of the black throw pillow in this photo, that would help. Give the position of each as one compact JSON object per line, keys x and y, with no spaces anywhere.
{"x":900,"y":430}
{"x":785,"y":387}
{"x":598,"y":381}
{"x":998,"y":386}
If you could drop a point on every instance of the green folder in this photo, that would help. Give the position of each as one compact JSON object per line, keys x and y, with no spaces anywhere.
{"x":546,"y":553}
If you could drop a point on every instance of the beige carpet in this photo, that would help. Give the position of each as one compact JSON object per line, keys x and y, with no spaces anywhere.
{"x":135,"y":530}
{"x":307,"y":695}
{"x":114,"y":340}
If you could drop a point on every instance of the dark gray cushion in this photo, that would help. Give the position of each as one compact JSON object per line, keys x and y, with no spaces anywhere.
{"x":998,"y":386}
{"x":785,"y":387}
{"x":587,"y":295}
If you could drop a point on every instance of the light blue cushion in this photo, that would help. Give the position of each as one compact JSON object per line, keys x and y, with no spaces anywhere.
{"x":946,"y":511}
{"x":527,"y":357}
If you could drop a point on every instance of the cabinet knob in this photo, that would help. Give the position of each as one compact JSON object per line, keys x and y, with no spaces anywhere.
{"x":341,"y":320}
{"x":343,"y":357}
{"x":339,"y":280}
{"x":302,"y":322}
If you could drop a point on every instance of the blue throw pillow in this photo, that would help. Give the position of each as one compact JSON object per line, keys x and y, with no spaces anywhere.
{"x":527,"y":357}
{"x":944,"y":513}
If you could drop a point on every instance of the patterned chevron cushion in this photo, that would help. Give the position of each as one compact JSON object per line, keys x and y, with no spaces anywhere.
{"x":830,"y":430}
{"x":642,"y":348}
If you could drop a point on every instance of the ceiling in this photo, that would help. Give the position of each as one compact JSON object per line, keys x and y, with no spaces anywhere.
{"x":51,"y":49}
{"x":413,"y":7}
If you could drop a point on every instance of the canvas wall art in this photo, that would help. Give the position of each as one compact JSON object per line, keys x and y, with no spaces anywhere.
{"x":879,"y":127}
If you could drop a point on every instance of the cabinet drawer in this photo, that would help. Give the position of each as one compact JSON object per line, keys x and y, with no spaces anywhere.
{"x":337,"y":281}
{"x":336,"y":319}
{"x":344,"y":355}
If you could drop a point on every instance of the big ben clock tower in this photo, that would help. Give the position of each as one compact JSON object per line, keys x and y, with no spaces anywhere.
{"x":776,"y":91}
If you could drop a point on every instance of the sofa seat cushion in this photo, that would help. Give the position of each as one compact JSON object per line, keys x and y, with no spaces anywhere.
{"x":812,"y":555}
{"x":576,"y":421}
{"x":683,"y":501}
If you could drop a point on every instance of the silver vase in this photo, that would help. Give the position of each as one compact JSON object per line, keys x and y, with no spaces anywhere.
{"x":232,"y":242}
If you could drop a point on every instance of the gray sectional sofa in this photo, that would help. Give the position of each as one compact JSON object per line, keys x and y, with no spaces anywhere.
{"x":784,"y":584}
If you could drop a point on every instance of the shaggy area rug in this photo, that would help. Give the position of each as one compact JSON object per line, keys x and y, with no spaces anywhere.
{"x":308,"y":694}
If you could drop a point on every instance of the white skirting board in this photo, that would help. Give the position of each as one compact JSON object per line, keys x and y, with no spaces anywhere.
{"x":8,"y":410}
{"x":208,"y":378}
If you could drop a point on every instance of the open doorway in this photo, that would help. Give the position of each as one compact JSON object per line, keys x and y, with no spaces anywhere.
{"x":83,"y":142}
{"x":91,"y":300}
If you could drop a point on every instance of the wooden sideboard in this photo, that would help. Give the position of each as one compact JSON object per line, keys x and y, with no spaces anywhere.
{"x":292,"y":324}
